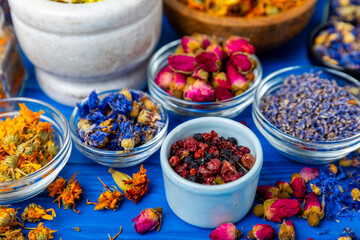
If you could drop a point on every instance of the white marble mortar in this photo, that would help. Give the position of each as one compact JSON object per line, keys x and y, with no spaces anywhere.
{"x":77,"y":48}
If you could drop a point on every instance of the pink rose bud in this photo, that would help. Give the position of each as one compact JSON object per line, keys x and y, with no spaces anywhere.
{"x":220,"y":80}
{"x":164,"y":77}
{"x":237,"y":44}
{"x":217,"y":50}
{"x":222,"y":94}
{"x":287,"y":231}
{"x":199,"y":91}
{"x":298,"y":185}
{"x":190,"y":44}
{"x":262,"y":232}
{"x":313,"y":210}
{"x":238,"y":82}
{"x":179,"y":50}
{"x":309,"y":174}
{"x":204,"y":39}
{"x":208,"y":61}
{"x":243,"y":62}
{"x":278,"y":209}
{"x":148,"y":220}
{"x":182,"y":63}
{"x":201,"y":74}
{"x":267,"y":192}
{"x":226,"y":231}
{"x":177,"y":85}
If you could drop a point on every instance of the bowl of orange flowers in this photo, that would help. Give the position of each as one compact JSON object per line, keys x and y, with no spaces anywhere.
{"x":35,"y":145}
{"x":268,"y":24}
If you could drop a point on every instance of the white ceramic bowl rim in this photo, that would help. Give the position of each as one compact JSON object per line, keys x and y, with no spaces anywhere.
{"x":271,"y":77}
{"x":172,"y":44}
{"x":136,"y":150}
{"x":211,"y":189}
{"x":46,"y":168}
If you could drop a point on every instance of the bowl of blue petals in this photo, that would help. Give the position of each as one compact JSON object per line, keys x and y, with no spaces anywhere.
{"x":336,"y":45}
{"x":118,"y":128}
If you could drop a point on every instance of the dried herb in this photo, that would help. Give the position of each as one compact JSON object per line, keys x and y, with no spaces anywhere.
{"x":119,"y":122}
{"x":41,"y":232}
{"x":35,"y":213}
{"x":77,"y":229}
{"x":109,"y":199}
{"x":226,"y":231}
{"x":113,"y":238}
{"x":148,"y":219}
{"x":26,"y":144}
{"x":262,"y":232}
{"x":10,"y":226}
{"x":134,"y":188}
{"x":243,"y":8}
{"x":66,"y":195}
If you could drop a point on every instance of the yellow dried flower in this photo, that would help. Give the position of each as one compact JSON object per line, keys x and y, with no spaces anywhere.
{"x":57,"y":187}
{"x":333,"y":168}
{"x":355,"y":193}
{"x":110,"y":198}
{"x":35,"y":213}
{"x":7,"y":216}
{"x":315,"y":189}
{"x":41,"y":233}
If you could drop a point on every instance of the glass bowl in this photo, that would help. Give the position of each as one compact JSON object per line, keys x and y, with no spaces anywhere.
{"x":226,"y":108}
{"x":309,"y":152}
{"x":29,"y":186}
{"x":120,"y":159}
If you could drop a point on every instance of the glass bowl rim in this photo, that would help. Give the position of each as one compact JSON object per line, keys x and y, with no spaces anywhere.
{"x":168,"y":46}
{"x":272,"y":77}
{"x":122,"y":154}
{"x":45,"y":169}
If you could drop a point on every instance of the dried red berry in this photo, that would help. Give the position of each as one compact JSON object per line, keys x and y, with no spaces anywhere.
{"x":204,"y":172}
{"x":214,"y":165}
{"x":199,"y":153}
{"x":190,"y":144}
{"x":176,"y":146}
{"x":207,"y":137}
{"x":214,"y":151}
{"x":203,"y":146}
{"x":174,"y":161}
{"x":228,"y":172}
{"x":181,"y":168}
{"x":193,"y":171}
{"x":248,"y":160}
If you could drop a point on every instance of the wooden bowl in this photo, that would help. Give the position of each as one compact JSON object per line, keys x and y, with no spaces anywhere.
{"x":264,"y":32}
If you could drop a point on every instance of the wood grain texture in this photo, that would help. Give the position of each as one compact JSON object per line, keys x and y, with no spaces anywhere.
{"x":264,"y":32}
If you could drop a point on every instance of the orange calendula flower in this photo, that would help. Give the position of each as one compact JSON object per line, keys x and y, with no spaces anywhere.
{"x":110,"y":198}
{"x":8,"y":216}
{"x":135,"y":187}
{"x":35,"y":213}
{"x":67,"y":195}
{"x":57,"y":187}
{"x":41,"y":232}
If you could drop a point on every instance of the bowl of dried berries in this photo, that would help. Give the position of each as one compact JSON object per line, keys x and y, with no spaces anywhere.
{"x":201,"y":75}
{"x":211,"y":167}
{"x":309,"y":114}
{"x":336,"y":45}
{"x":118,"y":128}
{"x":35,"y":146}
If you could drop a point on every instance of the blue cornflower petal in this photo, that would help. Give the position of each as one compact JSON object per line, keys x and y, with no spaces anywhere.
{"x":97,"y":138}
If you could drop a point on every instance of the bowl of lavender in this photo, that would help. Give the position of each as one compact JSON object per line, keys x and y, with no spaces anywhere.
{"x":211,"y":167}
{"x":201,"y":76}
{"x":309,"y":114}
{"x":118,"y":128}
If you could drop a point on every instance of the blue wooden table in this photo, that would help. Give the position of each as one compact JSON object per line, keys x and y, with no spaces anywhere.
{"x":98,"y":224}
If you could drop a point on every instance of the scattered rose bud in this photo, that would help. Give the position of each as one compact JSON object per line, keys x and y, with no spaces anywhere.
{"x":220,"y":80}
{"x":222,"y":94}
{"x":199,"y":91}
{"x":287,"y":231}
{"x":190,"y":44}
{"x":177,"y":85}
{"x":208,"y":61}
{"x":313,"y":210}
{"x":309,"y":174}
{"x":262,"y":232}
{"x":238,"y":44}
{"x":148,"y":219}
{"x":267,"y":192}
{"x":226,"y":231}
{"x":201,"y":74}
{"x":217,"y":50}
{"x":238,"y":82}
{"x":259,"y":210}
{"x":164,"y":77}
{"x":284,"y":187}
{"x":182,"y":63}
{"x":298,"y":185}
{"x":243,"y":62}
{"x":278,"y":209}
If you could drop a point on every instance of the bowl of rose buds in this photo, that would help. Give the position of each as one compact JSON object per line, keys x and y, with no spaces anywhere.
{"x":200,"y":75}
{"x":211,"y":167}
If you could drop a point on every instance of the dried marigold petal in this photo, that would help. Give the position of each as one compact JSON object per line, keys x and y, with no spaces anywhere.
{"x":110,"y":198}
{"x":35,"y":213}
{"x":41,"y":232}
{"x":57,"y":187}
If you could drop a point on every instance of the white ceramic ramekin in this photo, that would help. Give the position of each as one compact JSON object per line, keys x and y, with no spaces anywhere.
{"x":77,"y":48}
{"x":209,"y":206}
